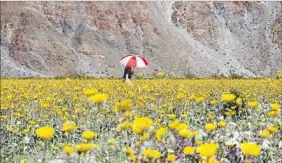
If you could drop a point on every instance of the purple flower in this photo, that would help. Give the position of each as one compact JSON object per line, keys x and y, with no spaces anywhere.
{"x":180,"y":155}
{"x":184,"y":144}
{"x":234,"y":151}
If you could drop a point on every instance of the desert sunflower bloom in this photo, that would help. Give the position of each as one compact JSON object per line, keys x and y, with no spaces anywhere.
{"x":150,"y":153}
{"x":171,"y":157}
{"x":181,"y":126}
{"x":99,"y":98}
{"x":68,"y":126}
{"x":90,"y":92}
{"x":239,"y":101}
{"x":253,"y":104}
{"x":174,"y":124}
{"x":129,"y":151}
{"x":141,"y":124}
{"x":222,"y":123}
{"x":273,"y":113}
{"x":125,"y":105}
{"x":68,"y":149}
{"x":213,"y":102}
{"x":275,"y":106}
{"x":211,"y":117}
{"x":272,"y":129}
{"x":88,"y":135}
{"x":228,"y":97}
{"x":210,"y":126}
{"x":188,"y":150}
{"x":45,"y":133}
{"x":82,"y":148}
{"x":207,"y":149}
{"x":159,"y":133}
{"x":265,"y":133}
{"x":186,"y":133}
{"x":250,"y":149}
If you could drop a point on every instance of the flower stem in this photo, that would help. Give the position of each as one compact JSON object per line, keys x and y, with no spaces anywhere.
{"x":45,"y":151}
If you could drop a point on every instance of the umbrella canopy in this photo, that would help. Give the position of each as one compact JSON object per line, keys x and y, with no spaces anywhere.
{"x":132,"y":60}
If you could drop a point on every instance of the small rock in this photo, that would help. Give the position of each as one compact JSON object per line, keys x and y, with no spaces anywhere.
{"x":57,"y":161}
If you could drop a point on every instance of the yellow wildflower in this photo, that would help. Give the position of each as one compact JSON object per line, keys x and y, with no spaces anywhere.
{"x":112,"y":142}
{"x":132,"y":158}
{"x":171,"y":157}
{"x":209,"y":160}
{"x":68,"y":126}
{"x":172,"y":116}
{"x":99,"y":98}
{"x":174,"y":124}
{"x":222,"y":123}
{"x":273,"y":113}
{"x":129,"y":151}
{"x":185,"y":133}
{"x":3,"y":117}
{"x":200,"y":99}
{"x":68,"y":149}
{"x":150,"y":153}
{"x":275,"y":107}
{"x":211,"y":117}
{"x":272,"y":129}
{"x":253,"y":104}
{"x":182,"y":126}
{"x":228,"y":97}
{"x":141,"y":124}
{"x":145,"y":137}
{"x":88,"y":135}
{"x":208,"y":149}
{"x":265,"y":133}
{"x":250,"y":149}
{"x":90,"y":92}
{"x":188,"y":150}
{"x":210,"y":126}
{"x":125,"y":105}
{"x":81,"y":148}
{"x":159,"y":133}
{"x":25,"y":131}
{"x":239,"y":101}
{"x":45,"y":133}
{"x":213,"y":102}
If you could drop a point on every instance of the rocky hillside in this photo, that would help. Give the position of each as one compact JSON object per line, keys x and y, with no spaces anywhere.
{"x":178,"y":38}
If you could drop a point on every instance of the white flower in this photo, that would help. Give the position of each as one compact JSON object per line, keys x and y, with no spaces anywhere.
{"x":280,"y":144}
{"x":232,"y":124}
{"x":265,"y":144}
{"x":26,"y":140}
{"x":221,"y":118}
{"x":232,"y":141}
{"x":236,"y":135}
{"x":224,"y":160}
{"x":170,"y":151}
{"x":202,"y":134}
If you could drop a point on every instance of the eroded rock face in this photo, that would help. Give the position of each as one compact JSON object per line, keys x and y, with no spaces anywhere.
{"x":203,"y":38}
{"x":277,"y":29}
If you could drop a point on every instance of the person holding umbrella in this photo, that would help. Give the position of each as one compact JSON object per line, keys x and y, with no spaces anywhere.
{"x":130,"y":61}
{"x":128,"y":71}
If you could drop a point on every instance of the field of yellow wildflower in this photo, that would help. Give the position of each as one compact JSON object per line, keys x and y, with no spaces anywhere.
{"x":151,"y":120}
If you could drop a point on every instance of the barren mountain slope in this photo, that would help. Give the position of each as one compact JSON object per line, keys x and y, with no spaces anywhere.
{"x":203,"y":38}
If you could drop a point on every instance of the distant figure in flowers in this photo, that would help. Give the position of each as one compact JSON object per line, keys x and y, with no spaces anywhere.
{"x":128,"y":72}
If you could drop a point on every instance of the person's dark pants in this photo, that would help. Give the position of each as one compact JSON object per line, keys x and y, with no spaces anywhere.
{"x":129,"y":76}
{"x":127,"y":71}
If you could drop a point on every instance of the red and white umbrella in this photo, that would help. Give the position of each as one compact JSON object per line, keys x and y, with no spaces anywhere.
{"x":132,"y":60}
